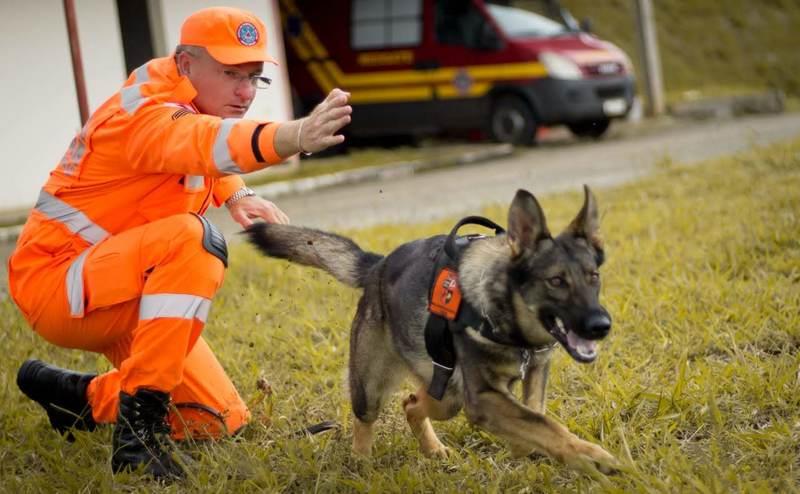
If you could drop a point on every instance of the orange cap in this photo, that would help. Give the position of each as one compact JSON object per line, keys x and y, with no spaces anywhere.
{"x":231,"y":36}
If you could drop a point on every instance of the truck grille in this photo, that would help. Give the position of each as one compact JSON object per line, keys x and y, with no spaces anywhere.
{"x":604,"y":69}
{"x":608,"y":92}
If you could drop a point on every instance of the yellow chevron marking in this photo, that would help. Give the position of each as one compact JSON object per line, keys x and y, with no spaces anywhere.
{"x":524,"y":70}
{"x":317,"y":47}
{"x":376,"y":58}
{"x":322,"y":78}
{"x":449,"y":91}
{"x":391,"y":95}
{"x":300,"y":47}
{"x":306,"y":32}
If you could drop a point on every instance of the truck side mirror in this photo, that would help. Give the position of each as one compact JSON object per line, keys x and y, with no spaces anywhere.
{"x":586,"y":25}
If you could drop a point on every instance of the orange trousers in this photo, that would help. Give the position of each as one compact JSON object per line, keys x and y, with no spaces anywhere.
{"x":147,"y":292}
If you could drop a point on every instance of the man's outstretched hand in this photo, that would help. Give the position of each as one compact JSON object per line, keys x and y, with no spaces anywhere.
{"x":325,"y":120}
{"x":318,"y":130}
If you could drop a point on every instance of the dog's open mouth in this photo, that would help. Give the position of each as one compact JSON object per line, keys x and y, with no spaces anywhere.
{"x":579,"y":348}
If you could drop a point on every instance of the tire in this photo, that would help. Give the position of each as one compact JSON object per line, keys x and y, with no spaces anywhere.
{"x":512,"y":121}
{"x":593,"y":129}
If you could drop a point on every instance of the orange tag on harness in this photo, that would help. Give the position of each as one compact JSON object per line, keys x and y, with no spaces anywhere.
{"x":446,"y":296}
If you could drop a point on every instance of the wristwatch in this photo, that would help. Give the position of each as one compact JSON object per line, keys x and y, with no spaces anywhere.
{"x":239,"y":194}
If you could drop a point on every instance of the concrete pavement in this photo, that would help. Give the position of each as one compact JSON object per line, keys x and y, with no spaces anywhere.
{"x":553,"y":166}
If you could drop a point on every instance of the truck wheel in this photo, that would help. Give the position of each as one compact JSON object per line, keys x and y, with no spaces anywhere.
{"x":512,"y":121}
{"x":592,"y":128}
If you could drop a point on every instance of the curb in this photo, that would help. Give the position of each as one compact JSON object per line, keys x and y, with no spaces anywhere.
{"x":10,"y":233}
{"x":725,"y":107}
{"x":383,"y":172}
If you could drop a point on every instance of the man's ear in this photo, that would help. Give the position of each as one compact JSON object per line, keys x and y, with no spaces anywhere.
{"x":182,"y":60}
{"x":526,"y":223}
{"x":587,"y":223}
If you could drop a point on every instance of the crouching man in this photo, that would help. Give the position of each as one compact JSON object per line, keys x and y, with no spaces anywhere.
{"x":117,"y":257}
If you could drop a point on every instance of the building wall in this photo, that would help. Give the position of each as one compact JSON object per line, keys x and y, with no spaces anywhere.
{"x":101,"y":49}
{"x":37,"y":89}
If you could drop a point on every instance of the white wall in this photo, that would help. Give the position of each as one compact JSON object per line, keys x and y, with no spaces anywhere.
{"x":37,"y":91}
{"x":37,"y":97}
{"x":101,"y":49}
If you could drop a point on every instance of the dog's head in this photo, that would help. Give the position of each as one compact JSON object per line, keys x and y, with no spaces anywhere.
{"x":555,"y":283}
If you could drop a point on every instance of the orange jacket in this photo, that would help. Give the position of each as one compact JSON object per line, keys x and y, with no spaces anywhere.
{"x":145,"y":154}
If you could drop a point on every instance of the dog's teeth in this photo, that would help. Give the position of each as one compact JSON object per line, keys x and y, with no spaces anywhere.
{"x":560,"y":325}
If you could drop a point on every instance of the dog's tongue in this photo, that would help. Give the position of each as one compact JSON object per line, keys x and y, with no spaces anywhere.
{"x":585,"y":348}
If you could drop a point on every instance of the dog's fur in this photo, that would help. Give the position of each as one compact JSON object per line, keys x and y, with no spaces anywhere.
{"x":525,"y":281}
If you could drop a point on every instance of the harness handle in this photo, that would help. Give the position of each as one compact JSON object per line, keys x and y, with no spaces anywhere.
{"x":450,"y":243}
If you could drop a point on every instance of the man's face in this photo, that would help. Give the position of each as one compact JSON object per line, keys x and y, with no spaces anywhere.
{"x":222,"y":90}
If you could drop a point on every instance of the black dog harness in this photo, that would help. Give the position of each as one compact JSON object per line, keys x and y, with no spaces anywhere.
{"x":449,"y":313}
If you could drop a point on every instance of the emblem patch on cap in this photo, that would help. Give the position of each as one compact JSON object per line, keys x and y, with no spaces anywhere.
{"x":247,"y":34}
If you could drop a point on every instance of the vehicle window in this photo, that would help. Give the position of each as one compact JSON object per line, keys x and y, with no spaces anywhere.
{"x":385,"y":23}
{"x":518,"y":23}
{"x":458,"y":23}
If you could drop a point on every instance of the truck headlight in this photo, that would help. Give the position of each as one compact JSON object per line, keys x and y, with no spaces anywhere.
{"x":559,"y":66}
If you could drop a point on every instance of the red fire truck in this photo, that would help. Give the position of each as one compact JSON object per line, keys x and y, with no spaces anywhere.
{"x":421,"y":67}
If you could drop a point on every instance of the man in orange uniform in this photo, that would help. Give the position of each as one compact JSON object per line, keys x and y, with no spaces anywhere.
{"x":117,"y":258}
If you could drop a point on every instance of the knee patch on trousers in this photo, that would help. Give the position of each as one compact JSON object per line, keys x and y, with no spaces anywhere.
{"x":213,"y":241}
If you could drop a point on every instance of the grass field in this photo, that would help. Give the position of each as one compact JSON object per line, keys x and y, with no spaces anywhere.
{"x":696,"y":390}
{"x":708,"y":46}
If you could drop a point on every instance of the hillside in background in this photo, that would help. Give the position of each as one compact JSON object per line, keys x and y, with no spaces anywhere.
{"x":711,"y":46}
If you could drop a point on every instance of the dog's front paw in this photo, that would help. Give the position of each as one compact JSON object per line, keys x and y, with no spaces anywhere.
{"x":431,"y":446}
{"x":588,"y":455}
{"x":435,"y":450}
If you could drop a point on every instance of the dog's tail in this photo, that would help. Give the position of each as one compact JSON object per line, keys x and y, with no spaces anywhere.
{"x":337,"y":255}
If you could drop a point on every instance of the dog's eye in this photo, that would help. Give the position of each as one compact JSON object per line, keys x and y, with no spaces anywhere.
{"x":594,"y":277}
{"x":556,"y":281}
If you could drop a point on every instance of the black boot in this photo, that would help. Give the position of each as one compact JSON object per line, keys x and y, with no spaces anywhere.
{"x":141,"y":435}
{"x":62,"y":394}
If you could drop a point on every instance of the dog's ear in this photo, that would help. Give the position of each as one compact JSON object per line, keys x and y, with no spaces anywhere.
{"x":526,"y":223}
{"x":587,"y":223}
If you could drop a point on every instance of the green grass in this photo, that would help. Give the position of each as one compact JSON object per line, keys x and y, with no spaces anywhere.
{"x":708,"y":45}
{"x":697,"y":388}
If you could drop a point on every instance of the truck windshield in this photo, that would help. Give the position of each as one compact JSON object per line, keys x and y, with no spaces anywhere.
{"x":518,"y":23}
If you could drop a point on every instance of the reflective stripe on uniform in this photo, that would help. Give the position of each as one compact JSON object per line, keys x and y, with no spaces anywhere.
{"x":194,"y":182}
{"x":75,"y":285}
{"x":77,"y":222}
{"x":175,"y":305}
{"x":131,"y":96}
{"x":141,"y":74}
{"x":222,"y":154}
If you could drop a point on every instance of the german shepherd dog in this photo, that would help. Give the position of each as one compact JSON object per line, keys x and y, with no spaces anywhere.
{"x":541,"y":289}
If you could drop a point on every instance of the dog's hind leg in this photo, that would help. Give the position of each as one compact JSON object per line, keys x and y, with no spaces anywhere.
{"x":375,"y":372}
{"x":420,"y":408}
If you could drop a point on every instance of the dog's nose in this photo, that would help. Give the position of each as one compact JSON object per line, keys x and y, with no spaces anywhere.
{"x":598,"y":324}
